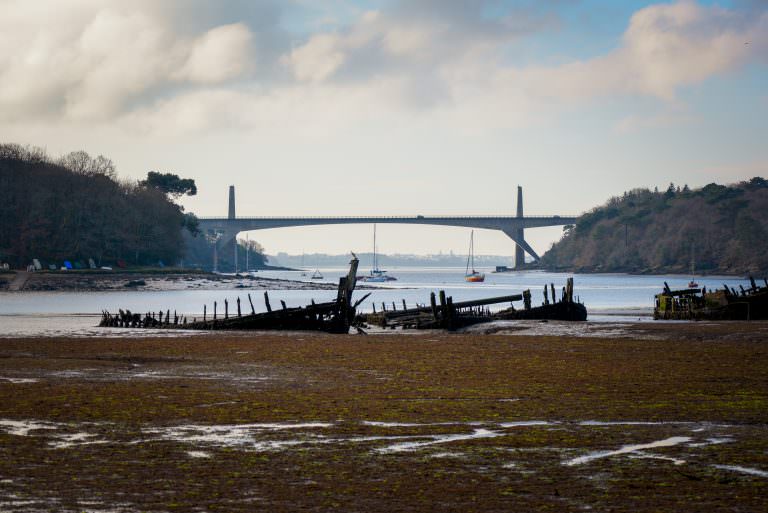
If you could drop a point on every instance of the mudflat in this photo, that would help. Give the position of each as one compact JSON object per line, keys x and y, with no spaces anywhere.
{"x":97,"y":280}
{"x":667,"y":417}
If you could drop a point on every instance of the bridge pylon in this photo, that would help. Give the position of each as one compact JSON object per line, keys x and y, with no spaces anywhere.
{"x":521,"y":246}
{"x":231,"y":213}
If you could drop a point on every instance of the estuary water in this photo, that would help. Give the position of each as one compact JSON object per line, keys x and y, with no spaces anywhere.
{"x":608,"y":297}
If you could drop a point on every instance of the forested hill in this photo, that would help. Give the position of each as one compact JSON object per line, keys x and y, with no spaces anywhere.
{"x":74,"y":208}
{"x":724,"y":229}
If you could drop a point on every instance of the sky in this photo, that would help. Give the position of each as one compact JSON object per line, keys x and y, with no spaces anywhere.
{"x":394,"y":107}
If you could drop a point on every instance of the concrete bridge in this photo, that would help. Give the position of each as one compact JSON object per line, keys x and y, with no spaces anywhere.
{"x":225,"y":229}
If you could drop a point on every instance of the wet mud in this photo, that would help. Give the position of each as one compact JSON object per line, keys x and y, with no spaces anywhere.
{"x":664,"y":418}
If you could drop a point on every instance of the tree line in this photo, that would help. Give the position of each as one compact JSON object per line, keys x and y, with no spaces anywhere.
{"x":717,"y":229}
{"x":76,"y":208}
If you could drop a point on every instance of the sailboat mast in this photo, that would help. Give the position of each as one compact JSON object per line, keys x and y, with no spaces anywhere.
{"x":472,"y":248}
{"x":692,"y":262}
{"x":469,"y":256}
{"x":375,"y":260}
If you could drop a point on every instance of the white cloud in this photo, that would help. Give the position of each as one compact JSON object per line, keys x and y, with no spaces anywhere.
{"x":457,"y":68}
{"x":221,"y":54}
{"x":318,"y":59}
{"x":666,"y":47}
{"x":100,"y":60}
{"x":92,"y":60}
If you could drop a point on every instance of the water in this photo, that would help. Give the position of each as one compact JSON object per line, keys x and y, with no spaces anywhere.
{"x":608,"y":297}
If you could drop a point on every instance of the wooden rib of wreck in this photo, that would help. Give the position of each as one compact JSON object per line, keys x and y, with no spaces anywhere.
{"x":719,"y":304}
{"x":452,"y":316}
{"x":333,"y":317}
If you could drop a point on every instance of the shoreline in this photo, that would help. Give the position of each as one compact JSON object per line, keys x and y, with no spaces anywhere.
{"x":97,"y":281}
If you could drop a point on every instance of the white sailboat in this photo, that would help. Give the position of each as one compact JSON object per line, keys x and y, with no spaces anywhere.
{"x":474,"y":276}
{"x":692,"y":284}
{"x":376,"y":275}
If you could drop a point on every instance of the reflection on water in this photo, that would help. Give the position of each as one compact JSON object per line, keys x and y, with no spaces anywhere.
{"x":609,"y":297}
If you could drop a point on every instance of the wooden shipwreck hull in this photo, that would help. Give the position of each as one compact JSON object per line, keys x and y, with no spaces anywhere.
{"x":452,"y":316}
{"x":720,"y":304}
{"x":333,"y":317}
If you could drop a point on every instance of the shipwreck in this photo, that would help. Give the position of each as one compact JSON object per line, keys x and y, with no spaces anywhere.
{"x":340,"y":315}
{"x":333,"y":317}
{"x":449,"y":315}
{"x":719,"y":304}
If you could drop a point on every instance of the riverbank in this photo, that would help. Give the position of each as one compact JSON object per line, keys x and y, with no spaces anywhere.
{"x":670,"y":417}
{"x":150,"y":280}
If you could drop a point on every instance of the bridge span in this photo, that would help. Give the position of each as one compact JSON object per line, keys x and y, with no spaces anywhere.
{"x":225,"y":229}
{"x":229,"y":228}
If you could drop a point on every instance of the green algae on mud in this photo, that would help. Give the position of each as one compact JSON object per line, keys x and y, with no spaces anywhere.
{"x":299,"y":422}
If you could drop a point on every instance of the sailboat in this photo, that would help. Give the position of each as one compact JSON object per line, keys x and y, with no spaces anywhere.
{"x":692,"y":284}
{"x":376,"y":275}
{"x":474,"y":276}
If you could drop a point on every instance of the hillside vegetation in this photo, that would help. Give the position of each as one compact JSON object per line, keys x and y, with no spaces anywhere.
{"x":724,"y":229}
{"x":75,"y":208}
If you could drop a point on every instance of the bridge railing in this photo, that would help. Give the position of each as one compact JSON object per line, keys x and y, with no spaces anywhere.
{"x":409,"y":218}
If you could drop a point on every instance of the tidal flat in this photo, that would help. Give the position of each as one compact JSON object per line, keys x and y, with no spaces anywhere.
{"x":668,"y":417}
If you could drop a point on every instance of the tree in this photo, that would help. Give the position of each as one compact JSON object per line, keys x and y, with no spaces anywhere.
{"x":74,"y":208}
{"x":755,"y":183}
{"x":170,"y":184}
{"x":81,"y":163}
{"x":192,"y":224}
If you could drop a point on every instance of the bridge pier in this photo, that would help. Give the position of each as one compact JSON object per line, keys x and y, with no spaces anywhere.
{"x":522,"y":246}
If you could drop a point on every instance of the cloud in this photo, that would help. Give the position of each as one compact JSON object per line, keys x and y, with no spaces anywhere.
{"x":221,"y":54}
{"x":190,"y":65}
{"x":318,"y":59}
{"x":665,"y":48}
{"x":94,"y":60}
{"x":654,"y":120}
{"x":411,"y":36}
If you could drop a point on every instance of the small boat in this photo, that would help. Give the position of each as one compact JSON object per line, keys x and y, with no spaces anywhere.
{"x":692,"y":284}
{"x":317,"y":275}
{"x":376,"y":275}
{"x":474,"y":276}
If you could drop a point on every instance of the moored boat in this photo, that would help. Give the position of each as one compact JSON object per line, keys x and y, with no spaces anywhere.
{"x":474,"y":276}
{"x":376,"y":275}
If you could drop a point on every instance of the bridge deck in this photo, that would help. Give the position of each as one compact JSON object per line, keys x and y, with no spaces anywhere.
{"x":383,"y":218}
{"x":512,"y":226}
